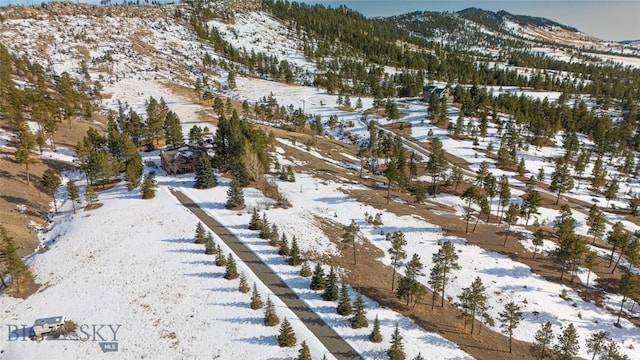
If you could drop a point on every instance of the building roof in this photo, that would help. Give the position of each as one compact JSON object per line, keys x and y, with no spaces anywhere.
{"x":49,"y":321}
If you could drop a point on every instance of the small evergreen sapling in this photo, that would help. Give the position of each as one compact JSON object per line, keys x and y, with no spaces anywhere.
{"x":317,"y":280}
{"x":200,"y":234}
{"x":331,"y":290}
{"x":359,"y":319}
{"x":243,"y":286}
{"x":396,"y":351}
{"x":294,"y":253}
{"x":287,"y":337}
{"x":255,"y":223}
{"x":304,"y":353}
{"x":209,"y":246}
{"x":375,"y":336}
{"x":235,"y":195}
{"x":220,"y":259}
{"x":270,"y":316}
{"x":344,"y":303}
{"x":148,"y":191}
{"x":418,"y":357}
{"x":305,"y":270}
{"x":284,"y":246}
{"x":231,"y":272}
{"x":256,"y":299}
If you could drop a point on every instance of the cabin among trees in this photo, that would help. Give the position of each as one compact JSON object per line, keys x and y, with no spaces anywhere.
{"x":429,"y":90}
{"x":180,"y":161}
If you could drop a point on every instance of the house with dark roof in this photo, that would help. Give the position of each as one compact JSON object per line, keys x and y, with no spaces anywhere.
{"x":429,"y":90}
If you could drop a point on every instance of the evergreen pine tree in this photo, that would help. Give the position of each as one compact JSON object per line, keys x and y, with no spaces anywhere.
{"x":50,"y":182}
{"x":12,"y":262}
{"x":220,"y":259}
{"x":317,"y":280}
{"x":231,"y":271}
{"x":304,"y":353}
{"x":205,"y":178}
{"x":235,"y":196}
{"x":255,"y":223}
{"x":148,"y":191}
{"x":284,"y":246}
{"x":200,"y":234}
{"x":287,"y":337}
{"x":74,"y":194}
{"x":305,"y":270}
{"x":331,"y":286}
{"x":510,"y":318}
{"x":294,"y":253}
{"x":418,"y":357}
{"x":256,"y":299}
{"x":90,"y":196}
{"x":567,"y":346}
{"x":542,"y":341}
{"x":274,"y":236}
{"x":270,"y":316}
{"x":291,"y":177}
{"x":359,"y":319}
{"x":344,"y":303}
{"x":243,"y":286}
{"x":396,"y":351}
{"x":375,"y":335}
{"x":209,"y":245}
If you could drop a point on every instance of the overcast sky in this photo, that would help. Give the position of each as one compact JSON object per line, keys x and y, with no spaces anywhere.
{"x":605,"y":19}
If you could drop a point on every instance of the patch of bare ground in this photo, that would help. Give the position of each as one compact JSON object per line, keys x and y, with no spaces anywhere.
{"x":486,"y":344}
{"x":373,"y":279}
{"x":25,"y":205}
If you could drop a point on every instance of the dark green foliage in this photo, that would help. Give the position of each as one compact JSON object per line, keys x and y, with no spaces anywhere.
{"x":270,"y":316}
{"x":200,"y":236}
{"x":344,"y":303}
{"x":256,"y":299}
{"x":418,"y":357}
{"x":220,"y":259}
{"x":409,"y":288}
{"x":73,"y":193}
{"x":255,"y":223}
{"x":284,"y":249}
{"x":243,"y":285}
{"x":396,"y":351}
{"x":375,"y":335}
{"x":359,"y":319}
{"x":205,"y":178}
{"x":287,"y":337}
{"x":90,"y":195}
{"x":294,"y":253}
{"x":235,"y":196}
{"x":317,"y":280}
{"x":304,"y":353}
{"x":397,"y":253}
{"x":12,"y":264}
{"x":568,"y":345}
{"x":133,"y":171}
{"x":231,"y":271}
{"x":274,"y":238}
{"x":331,"y":290}
{"x":542,"y":341}
{"x":209,"y":245}
{"x":173,"y":130}
{"x":148,"y":189}
{"x":50,"y":182}
{"x":305,"y":270}
{"x":474,"y":301}
{"x":510,"y":318}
